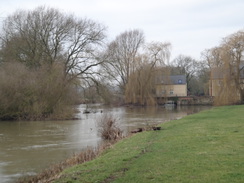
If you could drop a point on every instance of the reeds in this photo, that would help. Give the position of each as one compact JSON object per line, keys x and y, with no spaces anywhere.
{"x":108,"y":128}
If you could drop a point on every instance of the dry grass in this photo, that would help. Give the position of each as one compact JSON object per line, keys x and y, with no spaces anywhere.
{"x":54,"y":172}
{"x":109,"y":129}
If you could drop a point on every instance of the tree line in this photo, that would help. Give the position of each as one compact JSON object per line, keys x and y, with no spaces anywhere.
{"x":227,"y":62}
{"x":50,"y":61}
{"x":45,"y":55}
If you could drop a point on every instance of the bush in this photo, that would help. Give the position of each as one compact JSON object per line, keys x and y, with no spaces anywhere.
{"x":34,"y":94}
{"x":108,"y":128}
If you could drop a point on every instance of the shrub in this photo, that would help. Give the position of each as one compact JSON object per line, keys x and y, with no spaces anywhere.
{"x":27,"y":94}
{"x":54,"y":171}
{"x":108,"y":128}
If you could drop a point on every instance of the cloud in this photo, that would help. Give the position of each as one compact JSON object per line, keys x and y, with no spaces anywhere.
{"x":190,"y":25}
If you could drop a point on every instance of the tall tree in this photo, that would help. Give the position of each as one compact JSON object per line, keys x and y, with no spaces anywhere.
{"x":232,"y":56}
{"x":212,"y":57}
{"x":227,"y":60}
{"x":58,"y":51}
{"x":46,"y":36}
{"x":121,"y":56}
{"x":185,"y":65}
{"x":140,"y":88}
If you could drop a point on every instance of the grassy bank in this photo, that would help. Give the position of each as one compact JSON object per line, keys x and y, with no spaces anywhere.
{"x":204,"y":147}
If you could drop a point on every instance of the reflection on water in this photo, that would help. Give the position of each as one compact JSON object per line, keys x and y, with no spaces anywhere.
{"x":28,"y":147}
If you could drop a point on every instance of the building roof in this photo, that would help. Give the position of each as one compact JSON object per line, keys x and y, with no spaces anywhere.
{"x":172,"y":79}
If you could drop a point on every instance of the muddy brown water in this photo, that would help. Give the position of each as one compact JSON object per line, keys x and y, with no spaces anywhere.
{"x":27,"y":147}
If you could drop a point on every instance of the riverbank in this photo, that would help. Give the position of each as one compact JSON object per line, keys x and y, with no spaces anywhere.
{"x":29,"y":147}
{"x":204,"y":147}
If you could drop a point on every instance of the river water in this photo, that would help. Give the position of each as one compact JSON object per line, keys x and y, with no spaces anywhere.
{"x":27,"y":147}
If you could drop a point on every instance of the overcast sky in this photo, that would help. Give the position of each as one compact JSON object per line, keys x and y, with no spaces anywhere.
{"x":189,"y":25}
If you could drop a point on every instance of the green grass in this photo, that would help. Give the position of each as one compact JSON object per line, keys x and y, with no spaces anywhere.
{"x":205,"y":147}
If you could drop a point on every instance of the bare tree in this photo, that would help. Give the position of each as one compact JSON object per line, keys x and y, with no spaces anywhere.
{"x":45,"y":36}
{"x":121,"y":56}
{"x":62,"y":50}
{"x":140,"y":88}
{"x":232,"y":56}
{"x":212,"y":57}
{"x":202,"y":78}
{"x":185,"y":65}
{"x":158,"y":53}
{"x":227,"y":69}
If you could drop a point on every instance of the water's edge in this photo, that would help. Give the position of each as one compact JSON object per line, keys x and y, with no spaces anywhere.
{"x":29,"y":147}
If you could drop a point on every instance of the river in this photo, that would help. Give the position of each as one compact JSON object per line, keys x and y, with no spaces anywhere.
{"x":27,"y":147}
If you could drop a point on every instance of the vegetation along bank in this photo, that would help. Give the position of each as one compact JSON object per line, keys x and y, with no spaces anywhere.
{"x":50,"y":61}
{"x":204,"y":147}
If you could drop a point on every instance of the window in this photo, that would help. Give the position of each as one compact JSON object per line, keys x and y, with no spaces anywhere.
{"x":171,"y":92}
